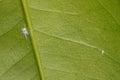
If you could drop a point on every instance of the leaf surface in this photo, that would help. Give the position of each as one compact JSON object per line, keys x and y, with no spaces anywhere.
{"x":78,"y":39}
{"x":17,"y":60}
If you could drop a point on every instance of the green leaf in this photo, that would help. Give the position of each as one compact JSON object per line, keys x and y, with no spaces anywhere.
{"x":78,"y":39}
{"x":75,"y":39}
{"x":17,"y":60}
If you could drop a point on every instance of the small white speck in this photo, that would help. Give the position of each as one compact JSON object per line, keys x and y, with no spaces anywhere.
{"x":25,"y":32}
{"x":102,"y":52}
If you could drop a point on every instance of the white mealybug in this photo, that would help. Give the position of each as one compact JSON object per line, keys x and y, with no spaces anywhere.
{"x":102,"y":52}
{"x":25,"y":32}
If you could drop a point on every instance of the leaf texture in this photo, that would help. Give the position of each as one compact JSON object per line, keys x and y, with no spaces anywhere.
{"x":17,"y":60}
{"x":78,"y":39}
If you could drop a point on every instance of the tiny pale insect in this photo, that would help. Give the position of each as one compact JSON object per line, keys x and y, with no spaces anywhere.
{"x":25,"y":32}
{"x":102,"y":52}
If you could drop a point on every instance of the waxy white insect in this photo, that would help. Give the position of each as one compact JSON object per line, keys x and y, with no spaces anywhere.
{"x":25,"y":32}
{"x":102,"y":52}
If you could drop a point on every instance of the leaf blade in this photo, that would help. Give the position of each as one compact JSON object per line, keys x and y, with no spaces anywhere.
{"x":65,"y":30}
